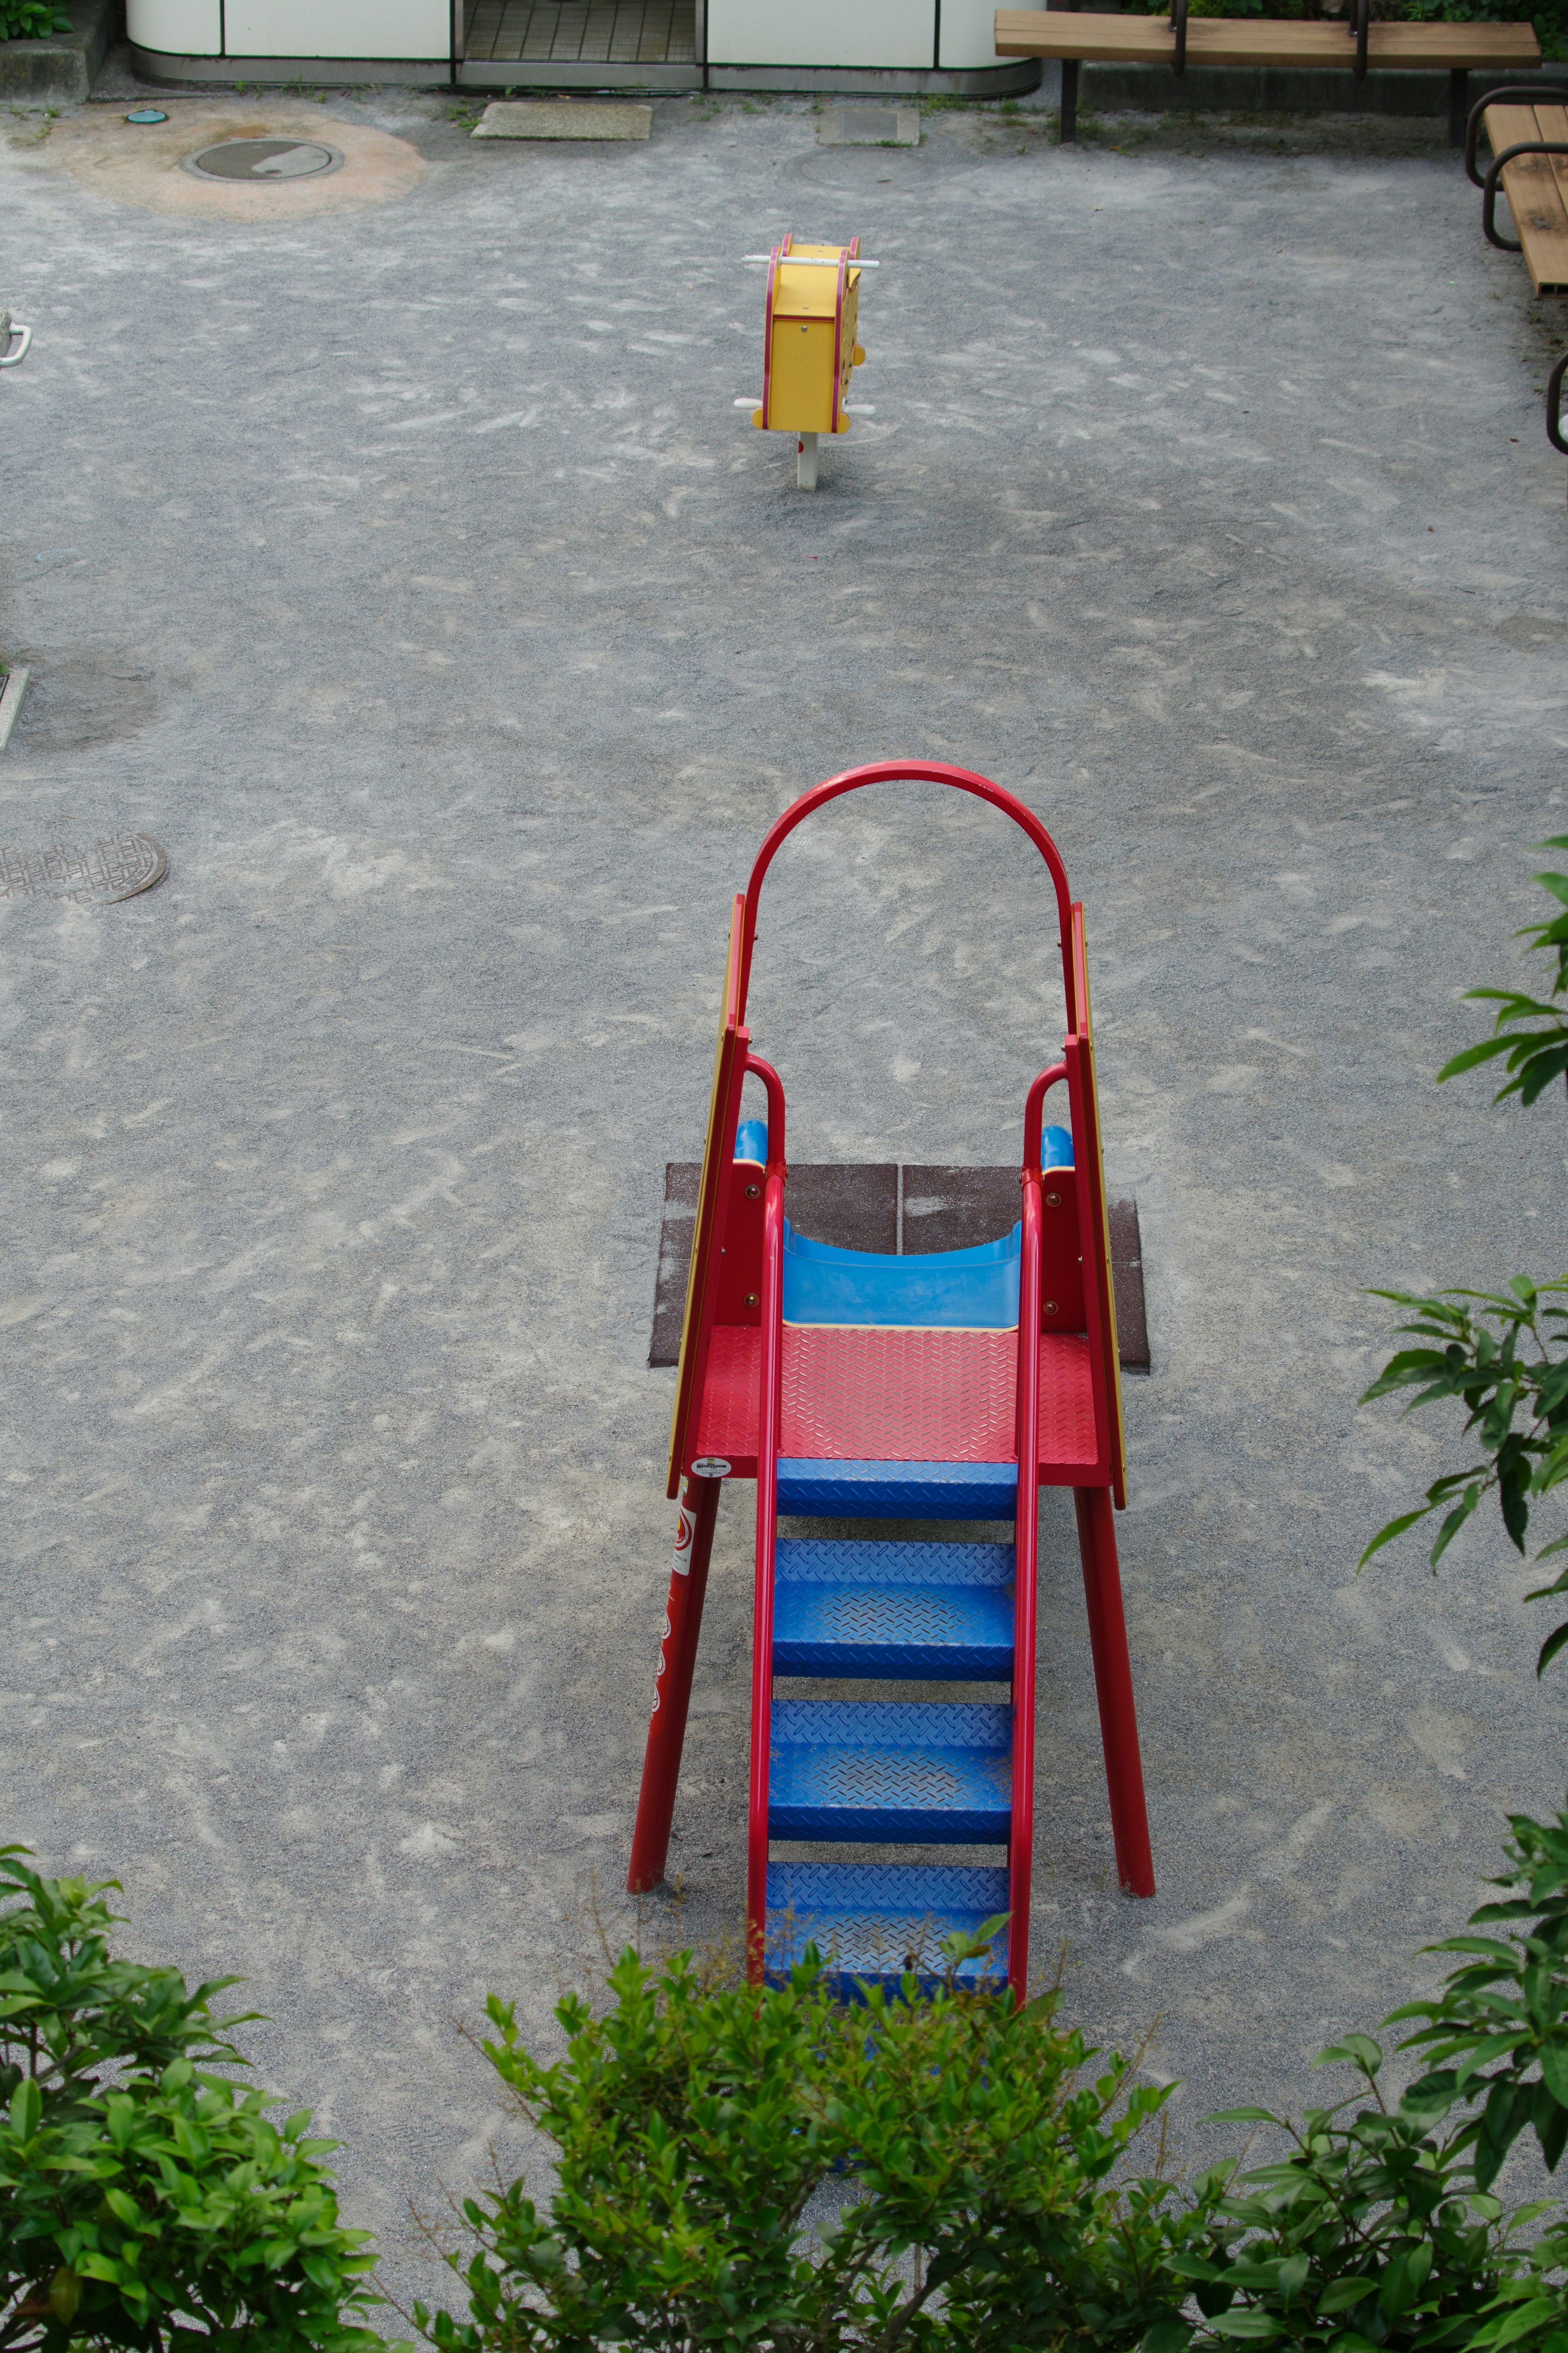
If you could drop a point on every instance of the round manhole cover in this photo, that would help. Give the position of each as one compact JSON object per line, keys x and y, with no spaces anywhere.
{"x":264,"y":159}
{"x":117,"y":868}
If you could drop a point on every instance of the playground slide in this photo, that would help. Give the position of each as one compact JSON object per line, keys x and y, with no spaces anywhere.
{"x":854,"y":1387}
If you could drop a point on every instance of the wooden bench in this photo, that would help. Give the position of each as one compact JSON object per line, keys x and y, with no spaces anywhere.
{"x":1529,"y":141}
{"x":1177,"y":41}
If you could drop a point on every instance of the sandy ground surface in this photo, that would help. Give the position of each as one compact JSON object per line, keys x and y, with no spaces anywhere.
{"x":410,"y":575}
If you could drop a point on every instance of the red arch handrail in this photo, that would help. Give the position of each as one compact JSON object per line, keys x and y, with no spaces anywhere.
{"x":912,"y":772}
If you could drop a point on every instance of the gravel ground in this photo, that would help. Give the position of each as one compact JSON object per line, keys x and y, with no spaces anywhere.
{"x":409,"y":573}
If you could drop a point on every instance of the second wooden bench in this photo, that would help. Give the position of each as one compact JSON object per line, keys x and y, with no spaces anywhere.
{"x":1529,"y":141}
{"x":1178,"y":41}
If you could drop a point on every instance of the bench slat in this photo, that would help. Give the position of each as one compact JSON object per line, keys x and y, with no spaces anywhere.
{"x":1253,"y":41}
{"x":1535,"y":191}
{"x":1553,"y":122}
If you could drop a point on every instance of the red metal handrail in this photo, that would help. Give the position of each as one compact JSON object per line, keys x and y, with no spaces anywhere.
{"x":1034,"y":1112}
{"x":1021,"y":1835}
{"x":920,"y":772}
{"x":770,"y":1381}
{"x":757,"y":1068}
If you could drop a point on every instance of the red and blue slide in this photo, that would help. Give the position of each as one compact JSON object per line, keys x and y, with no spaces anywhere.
{"x":854,"y":1387}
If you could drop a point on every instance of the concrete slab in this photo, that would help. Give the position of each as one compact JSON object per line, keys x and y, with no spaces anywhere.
{"x":435,"y":610}
{"x":869,"y":126}
{"x":528,"y":118}
{"x":58,"y":68}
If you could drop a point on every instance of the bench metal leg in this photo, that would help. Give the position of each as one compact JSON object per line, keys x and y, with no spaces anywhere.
{"x":1458,"y":105}
{"x":1069,"y":102}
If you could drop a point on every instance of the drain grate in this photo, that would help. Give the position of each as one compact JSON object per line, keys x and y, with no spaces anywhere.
{"x":264,"y":159}
{"x":113,"y":868}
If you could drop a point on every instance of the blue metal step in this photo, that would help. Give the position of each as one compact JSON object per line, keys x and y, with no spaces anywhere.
{"x":894,"y":1609}
{"x":913,"y":1774}
{"x":877,"y":1921}
{"x":899,"y":1491}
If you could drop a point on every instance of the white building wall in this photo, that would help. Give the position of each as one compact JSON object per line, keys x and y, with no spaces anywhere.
{"x":338,"y":28}
{"x":191,"y":28}
{"x":969,"y":33}
{"x":822,"y":32}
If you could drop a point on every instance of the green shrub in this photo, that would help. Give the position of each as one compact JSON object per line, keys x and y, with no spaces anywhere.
{"x":694,"y":2125}
{"x":31,"y":20}
{"x":1497,"y":2038}
{"x":1381,"y":2229}
{"x":1551,"y":21}
{"x":1370,"y":2232}
{"x":1498,"y":1357}
{"x":145,"y":2201}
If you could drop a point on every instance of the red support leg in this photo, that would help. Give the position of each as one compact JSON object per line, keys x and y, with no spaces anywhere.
{"x":672,"y":1687}
{"x":1113,"y":1688}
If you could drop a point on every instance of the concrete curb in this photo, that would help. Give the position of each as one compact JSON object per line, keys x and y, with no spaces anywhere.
{"x":1280,"y":90}
{"x":59,"y":71}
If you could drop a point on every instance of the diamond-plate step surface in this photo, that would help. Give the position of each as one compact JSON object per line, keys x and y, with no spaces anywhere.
{"x":903,"y":1397}
{"x":899,"y":1609}
{"x":910,"y":1774}
{"x":899,"y":1491}
{"x":889,"y":1560}
{"x":876,"y":1921}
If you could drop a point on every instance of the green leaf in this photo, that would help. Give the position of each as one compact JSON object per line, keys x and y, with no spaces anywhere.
{"x":1293,"y":2275}
{"x":65,"y":2295}
{"x":1554,"y":2071}
{"x":1344,"y":2294}
{"x":1537,"y":1072}
{"x":1359,"y":2050}
{"x":1394,"y":1528}
{"x":1471,"y":1055}
{"x":1454,"y":1523}
{"x":1523,"y":2321}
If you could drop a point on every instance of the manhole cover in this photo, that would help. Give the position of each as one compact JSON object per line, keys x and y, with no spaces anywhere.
{"x":264,"y":159}
{"x":115,"y":868}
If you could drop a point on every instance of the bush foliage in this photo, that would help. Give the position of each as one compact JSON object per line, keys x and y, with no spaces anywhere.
{"x":695,"y":2124}
{"x":971,"y":2170}
{"x":31,"y":20}
{"x":1501,"y":1355}
{"x":146,"y":2202}
{"x":994,"y":2206}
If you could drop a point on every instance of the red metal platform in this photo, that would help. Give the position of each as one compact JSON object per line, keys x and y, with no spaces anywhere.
{"x":891,"y":1394}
